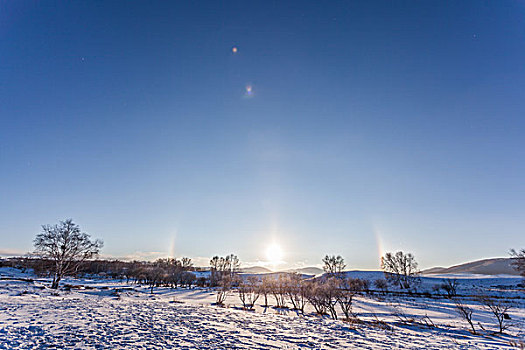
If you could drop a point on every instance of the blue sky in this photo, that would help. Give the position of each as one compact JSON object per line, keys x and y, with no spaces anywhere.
{"x":371,"y":126}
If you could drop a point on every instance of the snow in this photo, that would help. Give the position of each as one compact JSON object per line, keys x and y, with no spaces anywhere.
{"x":106,"y":314}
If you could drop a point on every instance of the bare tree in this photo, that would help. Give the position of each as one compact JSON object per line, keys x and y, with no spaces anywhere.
{"x":365,"y":284}
{"x":223,"y":290}
{"x":349,"y":287}
{"x":187,"y":278}
{"x":518,"y":261}
{"x":223,"y":266}
{"x":382,"y":285}
{"x":498,"y":308}
{"x":154,"y":276}
{"x":466,"y":313}
{"x":400,"y":269}
{"x":315,"y":296}
{"x":331,"y":291}
{"x":333,"y":265}
{"x":187,"y":264}
{"x":323,"y":295}
{"x":215,"y":274}
{"x":265,"y":288}
{"x":249,"y":292}
{"x":232,"y":265}
{"x":279,"y":288}
{"x":67,"y":246}
{"x":450,"y":286}
{"x":297,"y":291}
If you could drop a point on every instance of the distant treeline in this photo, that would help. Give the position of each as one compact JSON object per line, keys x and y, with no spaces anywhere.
{"x":162,"y":272}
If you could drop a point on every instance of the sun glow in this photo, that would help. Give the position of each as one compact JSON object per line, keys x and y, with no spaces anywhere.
{"x":274,"y":254}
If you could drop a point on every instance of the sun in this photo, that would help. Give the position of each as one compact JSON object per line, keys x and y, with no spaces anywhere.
{"x":274,"y":254}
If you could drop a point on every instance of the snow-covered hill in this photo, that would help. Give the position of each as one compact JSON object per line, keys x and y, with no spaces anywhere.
{"x":255,"y":269}
{"x":307,"y":271}
{"x":496,"y":266}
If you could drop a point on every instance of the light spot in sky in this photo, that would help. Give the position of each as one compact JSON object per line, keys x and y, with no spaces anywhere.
{"x":248,"y":91}
{"x":234,"y":49}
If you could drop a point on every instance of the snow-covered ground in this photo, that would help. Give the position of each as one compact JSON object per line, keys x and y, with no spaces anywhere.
{"x":104,"y":314}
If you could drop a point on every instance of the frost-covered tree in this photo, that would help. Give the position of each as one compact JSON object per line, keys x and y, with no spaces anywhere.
{"x":315,"y":296}
{"x":249,"y":292}
{"x":265,"y":288}
{"x":330,"y":293}
{"x":348,"y":288}
{"x":67,"y":246}
{"x":297,"y":292}
{"x":400,"y":269}
{"x":279,"y":287}
{"x":323,"y":294}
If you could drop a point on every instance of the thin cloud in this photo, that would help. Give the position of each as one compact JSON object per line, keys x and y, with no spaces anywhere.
{"x":12,"y":252}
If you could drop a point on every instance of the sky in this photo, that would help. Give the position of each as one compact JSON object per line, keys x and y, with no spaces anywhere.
{"x":207,"y":128}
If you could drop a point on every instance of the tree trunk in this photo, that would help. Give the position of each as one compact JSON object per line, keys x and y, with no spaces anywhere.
{"x":472,"y":326}
{"x":56,"y":280}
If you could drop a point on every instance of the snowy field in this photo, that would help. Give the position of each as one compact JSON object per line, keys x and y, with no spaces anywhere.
{"x":103,"y":314}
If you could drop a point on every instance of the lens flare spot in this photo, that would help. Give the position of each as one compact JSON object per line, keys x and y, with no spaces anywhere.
{"x":248,"y":90}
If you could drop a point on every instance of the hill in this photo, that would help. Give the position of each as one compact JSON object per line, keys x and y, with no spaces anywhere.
{"x":255,"y":270}
{"x":307,"y":271}
{"x":496,"y":266}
